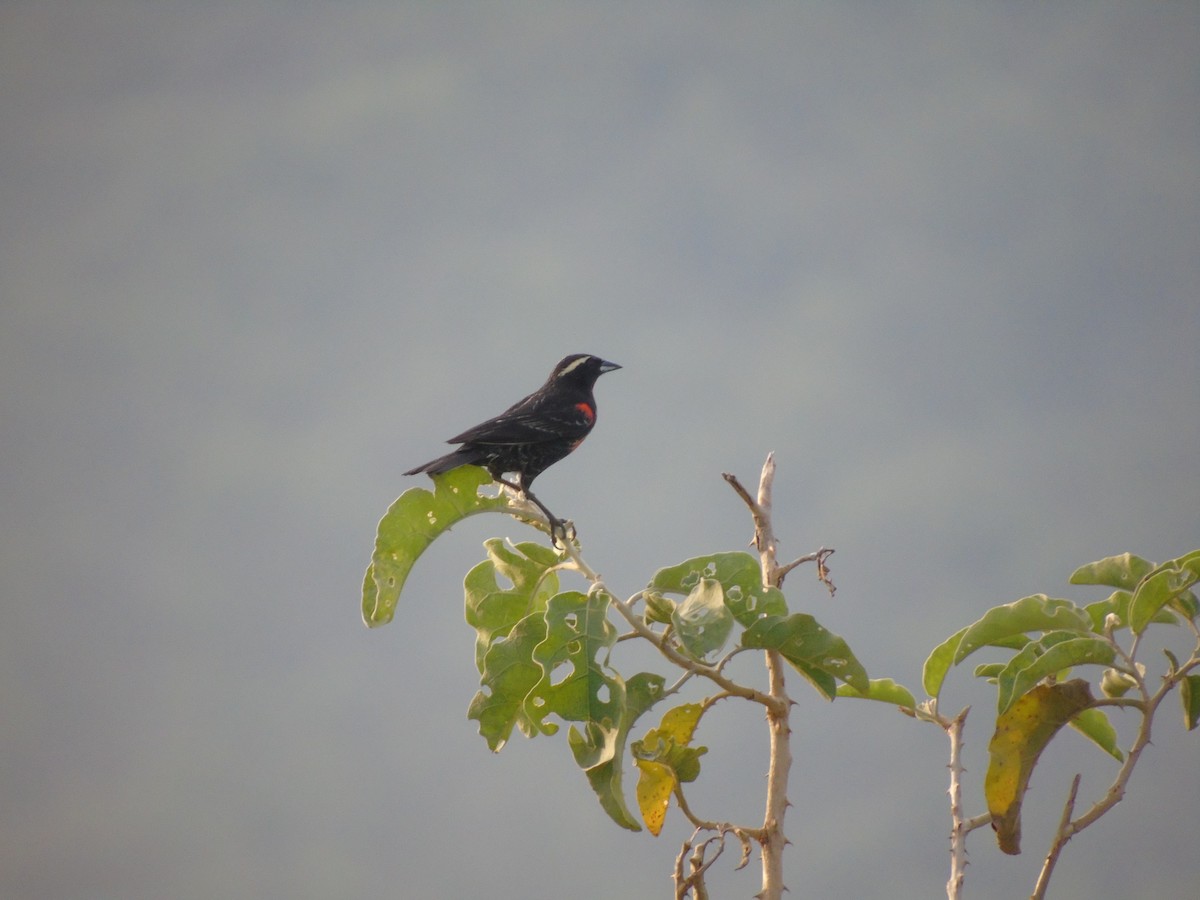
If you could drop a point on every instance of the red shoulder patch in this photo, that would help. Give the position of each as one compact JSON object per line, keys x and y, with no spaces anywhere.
{"x":588,"y":412}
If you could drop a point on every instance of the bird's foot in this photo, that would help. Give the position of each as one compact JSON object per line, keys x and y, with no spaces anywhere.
{"x":563,"y":529}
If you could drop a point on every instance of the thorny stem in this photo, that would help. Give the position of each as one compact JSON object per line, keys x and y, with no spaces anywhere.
{"x":958,"y":827}
{"x":1069,"y":827}
{"x":776,"y":702}
{"x":773,"y":840}
{"x":638,"y":624}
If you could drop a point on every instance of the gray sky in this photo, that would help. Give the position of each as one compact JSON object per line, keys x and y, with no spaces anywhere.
{"x":260,"y":258}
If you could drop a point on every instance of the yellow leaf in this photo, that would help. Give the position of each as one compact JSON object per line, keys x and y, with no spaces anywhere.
{"x":654,"y":792}
{"x":1022,"y":733}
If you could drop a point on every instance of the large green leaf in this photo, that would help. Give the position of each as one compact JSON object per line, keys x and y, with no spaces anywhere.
{"x":810,"y":648}
{"x":942,"y":658}
{"x":1035,"y":613}
{"x":509,"y":673}
{"x":599,"y":751}
{"x":575,"y":685}
{"x":1167,"y":584}
{"x":1052,"y":653}
{"x":410,"y":525}
{"x":740,"y":575}
{"x":1123,"y":571}
{"x":578,"y":687}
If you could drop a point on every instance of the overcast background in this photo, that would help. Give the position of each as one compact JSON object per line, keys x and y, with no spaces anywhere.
{"x":256,"y":259}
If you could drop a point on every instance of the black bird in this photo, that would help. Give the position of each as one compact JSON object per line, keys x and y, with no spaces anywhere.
{"x":532,"y":434}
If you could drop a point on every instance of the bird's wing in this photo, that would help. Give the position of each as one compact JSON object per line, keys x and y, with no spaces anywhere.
{"x":529,"y":423}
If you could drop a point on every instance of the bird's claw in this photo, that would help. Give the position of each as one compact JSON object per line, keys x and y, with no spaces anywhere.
{"x":563,"y":527}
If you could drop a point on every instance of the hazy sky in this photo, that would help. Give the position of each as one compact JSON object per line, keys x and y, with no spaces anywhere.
{"x":257,"y":259}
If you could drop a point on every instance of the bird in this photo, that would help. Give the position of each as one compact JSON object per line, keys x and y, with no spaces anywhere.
{"x":534,"y":433}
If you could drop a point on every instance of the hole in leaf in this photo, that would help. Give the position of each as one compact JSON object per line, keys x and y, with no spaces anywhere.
{"x":602,"y":694}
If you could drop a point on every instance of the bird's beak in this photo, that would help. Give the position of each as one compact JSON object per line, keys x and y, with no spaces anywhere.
{"x":606,"y":366}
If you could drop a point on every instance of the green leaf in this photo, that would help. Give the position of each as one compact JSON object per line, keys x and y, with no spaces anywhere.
{"x":1169,"y":583}
{"x":1055,"y":651}
{"x":493,"y":610}
{"x":1117,"y":603}
{"x":810,"y":648}
{"x":412,"y":523}
{"x":702,"y":623}
{"x":1095,"y":725}
{"x":599,"y":752}
{"x":989,"y":670}
{"x":939,"y":662}
{"x":665,"y":759}
{"x":1189,"y":694}
{"x":1035,"y":613}
{"x":740,"y":575}
{"x":883,"y":689}
{"x":1022,"y":733}
{"x":574,"y":684}
{"x":509,"y":673}
{"x":1123,"y":571}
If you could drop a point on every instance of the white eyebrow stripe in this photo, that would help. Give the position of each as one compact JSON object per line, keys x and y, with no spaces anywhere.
{"x":572,"y":366}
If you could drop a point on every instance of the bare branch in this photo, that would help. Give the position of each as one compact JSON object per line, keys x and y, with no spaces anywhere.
{"x":1060,"y":840}
{"x":958,"y":830}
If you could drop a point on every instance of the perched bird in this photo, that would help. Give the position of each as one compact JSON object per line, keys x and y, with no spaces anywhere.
{"x":532,"y":434}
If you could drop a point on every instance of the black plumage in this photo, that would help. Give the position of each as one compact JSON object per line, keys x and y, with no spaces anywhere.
{"x":533,"y":433}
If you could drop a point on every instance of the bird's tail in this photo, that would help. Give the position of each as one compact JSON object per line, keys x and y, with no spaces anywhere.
{"x":461,"y":457}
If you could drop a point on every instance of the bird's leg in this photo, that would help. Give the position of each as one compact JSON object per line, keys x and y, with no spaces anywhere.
{"x":557,"y":526}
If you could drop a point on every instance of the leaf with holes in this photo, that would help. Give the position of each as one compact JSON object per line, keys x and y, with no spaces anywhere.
{"x":599,"y":751}
{"x":814,"y":651}
{"x":410,"y":525}
{"x":508,"y":674}
{"x":575,"y":685}
{"x":702,"y":623}
{"x":493,"y":610}
{"x":740,"y":575}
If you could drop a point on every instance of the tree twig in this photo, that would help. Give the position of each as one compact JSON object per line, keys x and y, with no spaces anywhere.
{"x":1060,"y":840}
{"x":773,"y":839}
{"x":958,"y":827}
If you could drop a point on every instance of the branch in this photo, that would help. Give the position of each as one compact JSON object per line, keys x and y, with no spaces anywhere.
{"x":1060,"y":840}
{"x":638,"y":624}
{"x":1069,"y":827}
{"x":958,"y":827}
{"x":773,"y":840}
